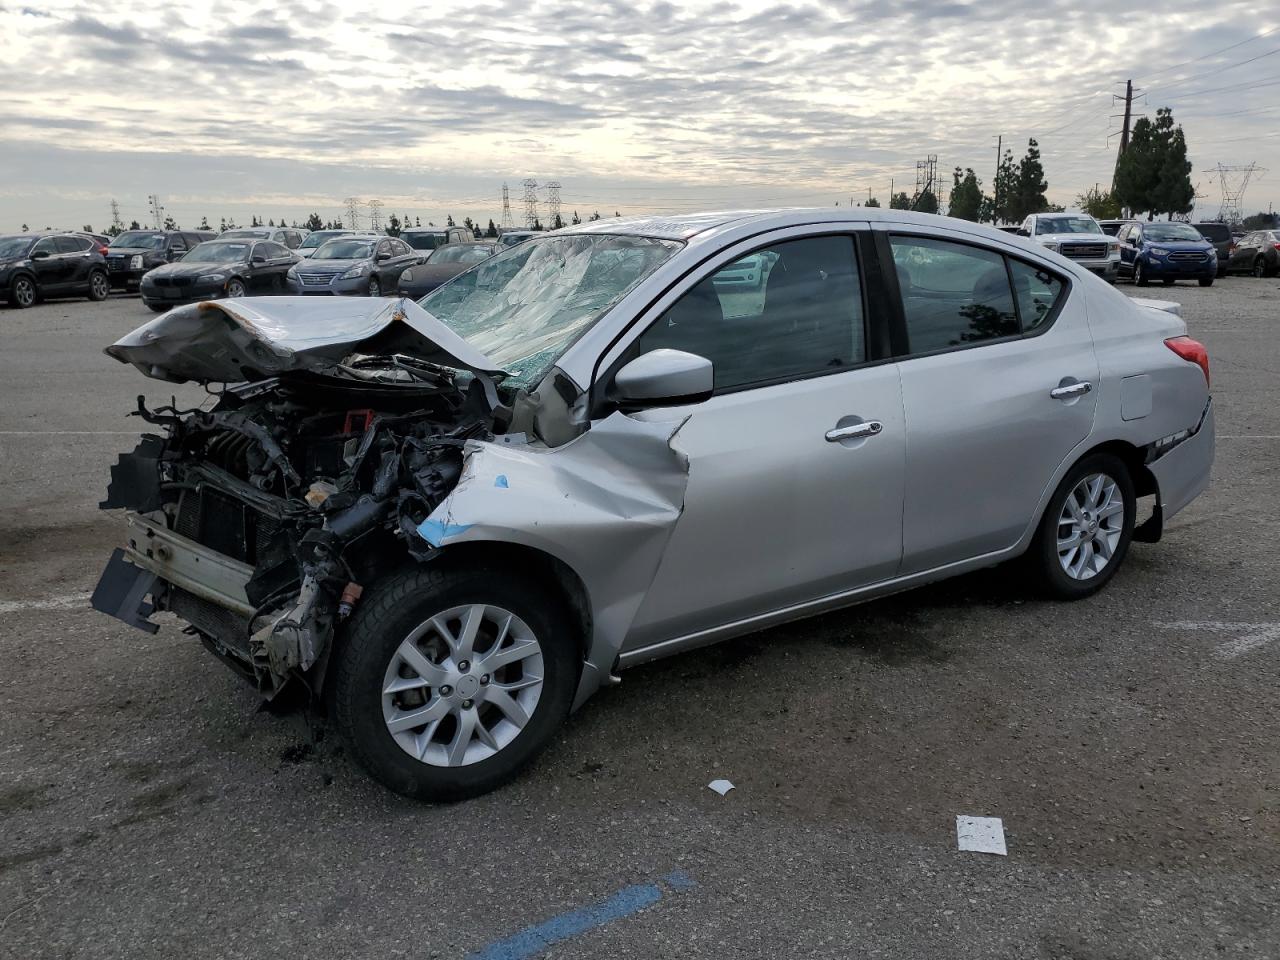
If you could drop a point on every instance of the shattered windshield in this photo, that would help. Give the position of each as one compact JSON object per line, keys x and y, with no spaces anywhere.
{"x":525,"y":306}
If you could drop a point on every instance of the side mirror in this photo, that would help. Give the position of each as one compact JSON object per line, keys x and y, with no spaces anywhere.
{"x":383,"y":256}
{"x":663,"y":378}
{"x":258,"y":259}
{"x":40,"y":255}
{"x":1023,"y":233}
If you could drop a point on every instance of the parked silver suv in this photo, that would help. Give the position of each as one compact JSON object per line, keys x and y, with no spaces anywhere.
{"x":450,"y":522}
{"x":1078,"y":237}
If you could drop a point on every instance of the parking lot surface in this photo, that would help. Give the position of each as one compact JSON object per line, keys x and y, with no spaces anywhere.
{"x":149,"y":808}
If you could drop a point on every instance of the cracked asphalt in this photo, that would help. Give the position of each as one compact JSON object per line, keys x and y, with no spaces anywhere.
{"x":148,"y":808}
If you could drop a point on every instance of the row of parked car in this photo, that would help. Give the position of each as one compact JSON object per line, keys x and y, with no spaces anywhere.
{"x":1147,"y":250}
{"x":172,"y":267}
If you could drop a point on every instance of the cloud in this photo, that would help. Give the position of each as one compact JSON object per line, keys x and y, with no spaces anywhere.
{"x":646,"y":105}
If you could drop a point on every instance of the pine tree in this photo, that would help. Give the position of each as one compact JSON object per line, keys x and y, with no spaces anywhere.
{"x":1031,"y":184}
{"x":900,"y":201}
{"x":1005,"y":189}
{"x":469,"y":225}
{"x":417,"y":221}
{"x":314,"y":222}
{"x":272,"y":223}
{"x":223,"y":226}
{"x":170,"y":223}
{"x":493,"y":230}
{"x":594,"y":216}
{"x":204,"y":224}
{"x":1174,"y":193}
{"x":557,"y":223}
{"x":393,"y":226}
{"x":873,"y":202}
{"x":966,"y":195}
{"x":576,"y":219}
{"x":133,"y":225}
{"x":449,"y":221}
{"x":927,"y":202}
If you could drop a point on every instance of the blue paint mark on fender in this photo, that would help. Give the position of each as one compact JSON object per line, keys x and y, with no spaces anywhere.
{"x":501,"y":481}
{"x":531,"y":941}
{"x":436,"y":532}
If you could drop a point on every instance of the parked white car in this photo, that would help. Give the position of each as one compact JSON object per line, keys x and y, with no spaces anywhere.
{"x":1079,"y":238}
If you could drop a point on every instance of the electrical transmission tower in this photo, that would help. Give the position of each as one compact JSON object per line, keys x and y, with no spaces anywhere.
{"x":116,"y":224}
{"x":375,"y":215}
{"x":926,"y":178}
{"x":1234,"y":180}
{"x":530,"y":202}
{"x":353,"y":212}
{"x":553,"y":205}
{"x":507,"y":222}
{"x":157,"y":210}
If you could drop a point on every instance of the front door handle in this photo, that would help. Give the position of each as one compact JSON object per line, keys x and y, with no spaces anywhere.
{"x":1070,"y":390}
{"x":853,"y":431}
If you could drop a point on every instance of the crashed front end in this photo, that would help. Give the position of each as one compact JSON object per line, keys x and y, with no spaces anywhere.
{"x":259,"y":520}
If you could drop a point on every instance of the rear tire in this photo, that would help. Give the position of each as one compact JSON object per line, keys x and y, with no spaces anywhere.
{"x":99,"y":286}
{"x":1140,"y":275}
{"x":1206,"y":281}
{"x":376,"y":653}
{"x":1259,"y":268}
{"x":375,"y":287}
{"x":23,"y":293}
{"x":1102,"y":541}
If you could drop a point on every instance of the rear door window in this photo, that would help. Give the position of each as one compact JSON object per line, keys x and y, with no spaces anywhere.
{"x":953,"y":294}
{"x":1037,"y":292}
{"x":73,"y":244}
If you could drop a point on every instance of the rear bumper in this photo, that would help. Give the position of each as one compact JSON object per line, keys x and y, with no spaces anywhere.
{"x":1183,"y":473}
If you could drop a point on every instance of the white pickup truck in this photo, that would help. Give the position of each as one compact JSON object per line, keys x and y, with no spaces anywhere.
{"x":1078,"y":237}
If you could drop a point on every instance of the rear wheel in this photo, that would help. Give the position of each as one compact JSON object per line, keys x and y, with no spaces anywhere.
{"x":375,"y":287}
{"x":1259,"y":267}
{"x":451,"y":680}
{"x":1140,"y":274}
{"x":22,"y":293}
{"x":1086,"y":529}
{"x":99,"y":286}
{"x":1206,"y":281}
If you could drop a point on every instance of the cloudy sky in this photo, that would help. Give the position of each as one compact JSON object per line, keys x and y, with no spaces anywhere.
{"x":232,"y":108}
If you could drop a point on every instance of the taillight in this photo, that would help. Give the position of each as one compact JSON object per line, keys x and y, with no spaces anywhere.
{"x":1192,"y":351}
{"x":1276,"y":245}
{"x":102,"y":249}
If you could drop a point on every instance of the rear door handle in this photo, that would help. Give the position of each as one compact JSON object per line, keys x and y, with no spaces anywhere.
{"x":854,"y":430}
{"x":1071,"y":390}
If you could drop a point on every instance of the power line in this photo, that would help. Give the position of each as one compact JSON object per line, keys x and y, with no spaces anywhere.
{"x":530,"y":202}
{"x":553,"y":204}
{"x":353,"y":212}
{"x":1214,"y":73}
{"x":1206,"y":56}
{"x":507,"y":222}
{"x":375,"y":215}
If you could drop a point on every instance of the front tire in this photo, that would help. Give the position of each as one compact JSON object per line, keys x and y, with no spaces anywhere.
{"x":23,"y":293}
{"x":1259,"y":268}
{"x":450,"y":680}
{"x":157,"y":307}
{"x":375,"y":287}
{"x":1140,"y":275}
{"x":1086,"y":529}
{"x":99,"y":286}
{"x":235,"y":288}
{"x":1206,"y":281}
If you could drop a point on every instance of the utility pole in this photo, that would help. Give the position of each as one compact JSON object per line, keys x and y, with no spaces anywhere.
{"x":375,"y":215}
{"x":507,"y":223}
{"x":116,"y":225}
{"x":157,"y":210}
{"x":995,"y":182}
{"x":530,"y":202}
{"x":353,"y":212}
{"x":553,"y":205}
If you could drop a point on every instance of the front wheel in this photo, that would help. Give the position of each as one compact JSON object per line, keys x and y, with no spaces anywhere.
{"x":1140,"y":274}
{"x":1086,"y":529}
{"x":375,"y":288}
{"x":1206,"y":281}
{"x":449,"y":681}
{"x":22,"y":293}
{"x":1259,"y":267}
{"x":157,"y":307}
{"x":235,"y":288}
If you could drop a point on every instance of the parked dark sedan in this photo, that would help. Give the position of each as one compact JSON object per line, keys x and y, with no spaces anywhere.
{"x":360,"y":266}
{"x":1257,"y":253}
{"x":1219,"y":234}
{"x":1166,"y":251}
{"x":443,"y":265}
{"x":219,"y":268}
{"x":34,"y":266}
{"x":134,"y":252}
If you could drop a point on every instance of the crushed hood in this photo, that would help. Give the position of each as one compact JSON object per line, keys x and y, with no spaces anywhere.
{"x":231,"y":341}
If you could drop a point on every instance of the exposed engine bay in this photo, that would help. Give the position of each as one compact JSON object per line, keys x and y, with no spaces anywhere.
{"x":313,"y":484}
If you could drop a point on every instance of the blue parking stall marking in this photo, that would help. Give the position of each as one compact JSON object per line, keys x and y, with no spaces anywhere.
{"x":627,"y":902}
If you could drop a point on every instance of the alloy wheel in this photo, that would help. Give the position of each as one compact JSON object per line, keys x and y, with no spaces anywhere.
{"x":462,"y":685}
{"x":99,"y":288}
{"x":375,"y":288}
{"x":235,"y":288}
{"x":1090,"y":526}
{"x":24,"y":292}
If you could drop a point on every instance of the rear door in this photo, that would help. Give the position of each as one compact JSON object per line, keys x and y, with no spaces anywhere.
{"x":1246,"y":250}
{"x":997,"y":390}
{"x":50,"y":269}
{"x":77,"y":259}
{"x":795,"y":464}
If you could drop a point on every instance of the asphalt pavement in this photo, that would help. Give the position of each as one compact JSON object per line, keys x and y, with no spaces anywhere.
{"x":149,"y":808}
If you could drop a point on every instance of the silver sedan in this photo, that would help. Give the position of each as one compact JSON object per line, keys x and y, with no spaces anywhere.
{"x":453,"y":521}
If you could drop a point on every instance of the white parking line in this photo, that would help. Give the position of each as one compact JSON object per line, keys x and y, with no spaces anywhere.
{"x":51,"y":603}
{"x":1250,"y":636}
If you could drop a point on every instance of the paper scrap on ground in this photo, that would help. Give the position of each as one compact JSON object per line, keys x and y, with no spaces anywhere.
{"x":981,"y":834}
{"x":720,"y":786}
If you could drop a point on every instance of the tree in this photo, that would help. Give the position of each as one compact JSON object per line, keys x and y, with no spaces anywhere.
{"x":393,"y":226}
{"x":537,"y":224}
{"x":1256,"y":221}
{"x":927,"y":202}
{"x":1100,"y":204}
{"x":204,"y":224}
{"x":469,"y":225}
{"x":253,"y":221}
{"x":493,"y":230}
{"x":223,"y":225}
{"x":281,"y":221}
{"x":1153,"y":174}
{"x":87,"y":228}
{"x":900,"y":201}
{"x":170,"y":223}
{"x":616,"y":213}
{"x":314,"y":222}
{"x":576,"y":219}
{"x":1004,"y":190}
{"x":966,"y":195}
{"x":449,"y":221}
{"x":417,"y":221}
{"x":133,"y":225}
{"x":25,"y":228}
{"x":1030,"y":186}
{"x":272,"y":223}
{"x":872,"y":202}
{"x":557,"y":223}
{"x":594,"y":216}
